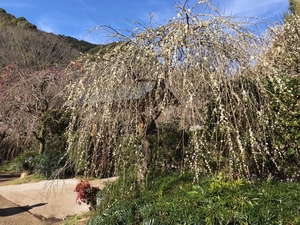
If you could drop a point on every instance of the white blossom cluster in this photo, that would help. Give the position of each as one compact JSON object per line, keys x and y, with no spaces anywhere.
{"x":211,"y":64}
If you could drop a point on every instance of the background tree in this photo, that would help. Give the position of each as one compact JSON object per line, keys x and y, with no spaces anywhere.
{"x":7,"y":19}
{"x":26,"y":96}
{"x":30,"y":76}
{"x":282,"y":62}
{"x":34,"y":49}
{"x":294,"y":7}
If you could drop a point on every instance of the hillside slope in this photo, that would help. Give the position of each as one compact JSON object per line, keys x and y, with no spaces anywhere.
{"x":9,"y":20}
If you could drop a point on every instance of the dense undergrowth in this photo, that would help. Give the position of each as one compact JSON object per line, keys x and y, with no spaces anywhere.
{"x":179,"y":199}
{"x":44,"y":165}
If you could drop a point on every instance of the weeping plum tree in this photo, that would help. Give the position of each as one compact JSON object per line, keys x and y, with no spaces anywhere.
{"x":204,"y":66}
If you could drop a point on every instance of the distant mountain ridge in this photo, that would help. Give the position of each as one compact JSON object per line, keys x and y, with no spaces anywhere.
{"x":9,"y":20}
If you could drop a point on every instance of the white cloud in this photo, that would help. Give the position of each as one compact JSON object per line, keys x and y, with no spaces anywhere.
{"x":249,"y":8}
{"x":46,"y":25}
{"x":267,"y":9}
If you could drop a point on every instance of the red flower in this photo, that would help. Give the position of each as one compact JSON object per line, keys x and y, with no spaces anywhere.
{"x":86,"y":193}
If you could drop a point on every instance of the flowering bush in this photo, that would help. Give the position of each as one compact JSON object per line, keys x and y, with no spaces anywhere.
{"x":86,"y":194}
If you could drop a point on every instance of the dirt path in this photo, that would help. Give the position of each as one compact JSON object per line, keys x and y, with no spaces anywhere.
{"x":13,"y":214}
{"x":46,"y":202}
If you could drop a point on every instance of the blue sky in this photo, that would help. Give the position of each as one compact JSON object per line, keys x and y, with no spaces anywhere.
{"x":76,"y":17}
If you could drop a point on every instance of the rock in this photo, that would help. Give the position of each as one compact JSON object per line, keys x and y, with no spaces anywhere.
{"x":23,"y":175}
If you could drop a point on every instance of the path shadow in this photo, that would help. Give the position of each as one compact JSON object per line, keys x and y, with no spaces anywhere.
{"x":8,"y":176}
{"x":18,"y":209}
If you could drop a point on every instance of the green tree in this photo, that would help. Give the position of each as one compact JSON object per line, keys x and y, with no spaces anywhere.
{"x":294,"y":7}
{"x":282,"y":62}
{"x":7,"y":19}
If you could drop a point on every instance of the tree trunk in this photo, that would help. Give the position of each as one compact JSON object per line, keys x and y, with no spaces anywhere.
{"x":41,"y":139}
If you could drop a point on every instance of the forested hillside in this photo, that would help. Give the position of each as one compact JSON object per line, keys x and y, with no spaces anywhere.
{"x":9,"y":20}
{"x":31,"y":75}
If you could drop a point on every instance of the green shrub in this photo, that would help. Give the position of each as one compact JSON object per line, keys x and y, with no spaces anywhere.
{"x":49,"y":163}
{"x":285,"y":95}
{"x":25,"y":161}
{"x":168,"y":146}
{"x":177,"y":199}
{"x":32,"y":162}
{"x":53,"y":158}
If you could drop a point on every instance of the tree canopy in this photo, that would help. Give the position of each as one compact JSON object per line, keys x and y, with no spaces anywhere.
{"x":210,"y":64}
{"x":7,"y":19}
{"x":294,"y":7}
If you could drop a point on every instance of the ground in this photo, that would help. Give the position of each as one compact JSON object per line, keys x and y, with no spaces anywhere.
{"x":40,"y":203}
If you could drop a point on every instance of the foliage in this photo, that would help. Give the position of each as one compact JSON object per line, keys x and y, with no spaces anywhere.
{"x":294,"y":7}
{"x":25,"y":161}
{"x":212,"y":200}
{"x":281,"y":63}
{"x":80,"y":45}
{"x":7,"y":19}
{"x":49,"y":163}
{"x":103,"y":49}
{"x":31,"y":161}
{"x":53,"y":158}
{"x":284,"y":55}
{"x":56,"y":122}
{"x":86,"y":194}
{"x":286,"y":116}
{"x":168,"y":145}
{"x":77,"y":219}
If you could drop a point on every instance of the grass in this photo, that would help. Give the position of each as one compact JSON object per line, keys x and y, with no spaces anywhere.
{"x":6,"y":167}
{"x":28,"y":179}
{"x":77,"y":219}
{"x":13,"y":176}
{"x":14,"y":179}
{"x":177,"y":199}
